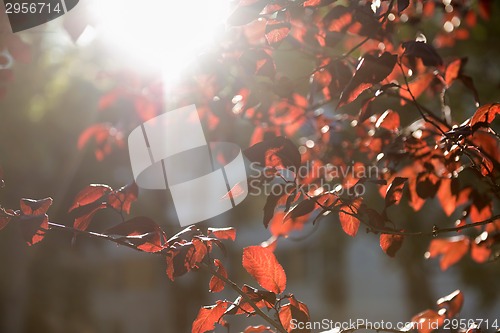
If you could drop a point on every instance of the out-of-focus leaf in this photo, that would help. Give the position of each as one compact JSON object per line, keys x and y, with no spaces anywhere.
{"x":452,"y":303}
{"x":390,"y":243}
{"x":122,"y":199}
{"x":451,"y":250}
{"x":278,"y":152}
{"x":424,"y":51}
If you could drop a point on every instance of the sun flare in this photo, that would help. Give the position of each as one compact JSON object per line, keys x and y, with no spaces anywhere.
{"x":159,"y":33}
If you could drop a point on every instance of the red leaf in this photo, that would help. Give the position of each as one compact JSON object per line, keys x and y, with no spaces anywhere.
{"x":485,"y":114}
{"x":402,"y":5}
{"x":261,"y":298}
{"x":208,"y":316}
{"x":32,"y":227}
{"x":424,"y":51}
{"x":100,"y":132}
{"x":390,"y":243}
{"x":388,"y":120}
{"x":452,"y":303}
{"x":395,"y":191}
{"x":349,"y":223}
{"x":263,"y":266}
{"x":451,"y":250}
{"x":5,"y":216}
{"x":258,"y":329}
{"x":426,"y":320}
{"x":417,"y":87}
{"x":371,"y":70}
{"x":223,"y":233}
{"x":452,"y":71}
{"x":142,"y":232}
{"x":278,"y":152}
{"x":297,"y":311}
{"x":216,"y":285}
{"x":35,"y":207}
{"x":447,"y":198}
{"x":90,"y":194}
{"x":84,"y":217}
{"x":122,"y":199}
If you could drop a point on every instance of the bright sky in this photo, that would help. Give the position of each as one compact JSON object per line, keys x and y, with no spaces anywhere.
{"x":159,"y":31}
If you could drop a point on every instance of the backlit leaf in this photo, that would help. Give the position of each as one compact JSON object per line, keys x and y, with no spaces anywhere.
{"x":451,"y":250}
{"x":216,"y":285}
{"x":390,"y":243}
{"x":142,"y":232}
{"x":208,"y":316}
{"x":90,"y":194}
{"x":263,"y":266}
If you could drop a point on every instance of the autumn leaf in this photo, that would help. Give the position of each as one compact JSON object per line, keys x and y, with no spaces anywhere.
{"x":391,"y":243}
{"x":33,"y":227}
{"x":395,"y":191}
{"x":296,"y":311}
{"x":222,"y":233}
{"x":263,"y":266}
{"x":208,"y":316}
{"x":85,"y":215}
{"x":217,"y":285}
{"x":348,"y":220}
{"x":424,"y":51}
{"x":278,"y":152}
{"x":258,"y":329}
{"x":371,"y":70}
{"x":485,"y":114}
{"x":35,"y":207}
{"x":426,"y":320}
{"x":402,"y":5}
{"x":246,"y":12}
{"x":451,"y":250}
{"x":5,"y":216}
{"x":90,"y":194}
{"x":122,"y":199}
{"x":388,"y":120}
{"x":141,"y":232}
{"x":452,"y":303}
{"x":417,"y":87}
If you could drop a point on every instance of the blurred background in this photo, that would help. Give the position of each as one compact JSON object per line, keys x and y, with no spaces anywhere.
{"x":54,"y":90}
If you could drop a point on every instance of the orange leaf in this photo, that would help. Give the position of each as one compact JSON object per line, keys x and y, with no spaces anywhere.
{"x":216,"y":285}
{"x":223,"y":233}
{"x":349,"y":222}
{"x":122,"y":199}
{"x":263,"y":266}
{"x":452,"y":303}
{"x":33,"y":227}
{"x":258,"y":329}
{"x":451,"y":250}
{"x":297,"y":311}
{"x":485,"y":114}
{"x":417,"y":87}
{"x":426,"y":320}
{"x":208,"y":316}
{"x":35,"y":207}
{"x":89,"y":195}
{"x":142,"y":232}
{"x":83,"y":220}
{"x":390,"y":243}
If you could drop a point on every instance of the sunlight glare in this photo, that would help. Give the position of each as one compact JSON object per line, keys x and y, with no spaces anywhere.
{"x":159,"y":33}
